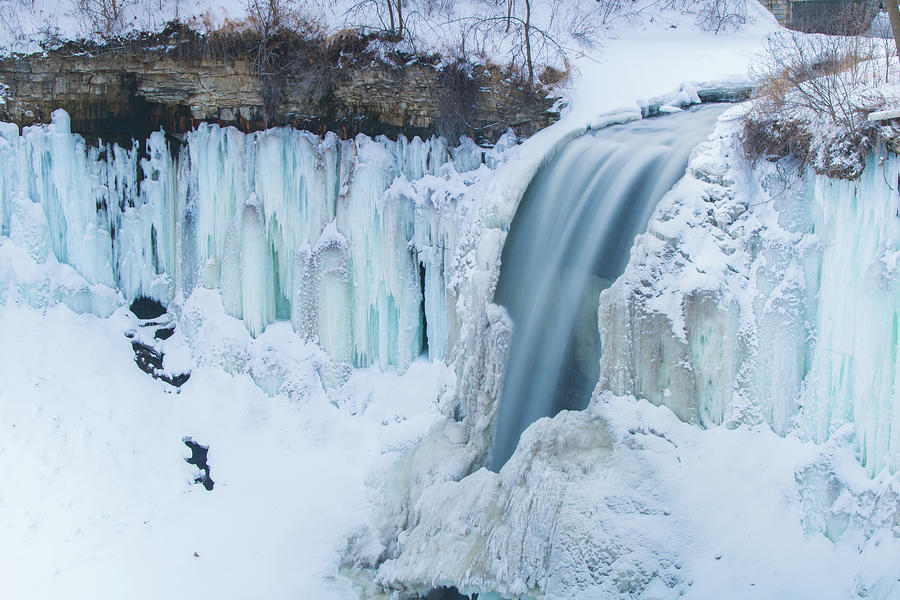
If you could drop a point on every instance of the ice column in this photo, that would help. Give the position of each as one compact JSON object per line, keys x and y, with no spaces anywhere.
{"x":333,"y":235}
{"x":855,"y":375}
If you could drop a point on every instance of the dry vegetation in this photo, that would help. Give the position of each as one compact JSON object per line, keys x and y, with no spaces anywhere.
{"x":816,"y":96}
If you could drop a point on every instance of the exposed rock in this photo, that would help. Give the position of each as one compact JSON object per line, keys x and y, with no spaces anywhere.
{"x":126,"y":94}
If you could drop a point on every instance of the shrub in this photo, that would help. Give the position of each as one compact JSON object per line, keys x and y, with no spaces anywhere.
{"x":813,"y":105}
{"x":457,"y":91}
{"x":552,"y":76}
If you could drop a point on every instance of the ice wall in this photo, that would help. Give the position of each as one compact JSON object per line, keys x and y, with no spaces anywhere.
{"x":345,"y":239}
{"x":855,"y":371}
{"x":766,"y":295}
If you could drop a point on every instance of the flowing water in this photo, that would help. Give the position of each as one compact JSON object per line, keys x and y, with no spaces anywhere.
{"x":569,"y":240}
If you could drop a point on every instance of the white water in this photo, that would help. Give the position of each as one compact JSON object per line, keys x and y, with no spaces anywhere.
{"x":570,"y":239}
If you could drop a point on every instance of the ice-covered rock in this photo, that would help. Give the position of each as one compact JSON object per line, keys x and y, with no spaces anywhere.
{"x":624,"y":500}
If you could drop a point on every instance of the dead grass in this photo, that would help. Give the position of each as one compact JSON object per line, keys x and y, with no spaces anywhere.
{"x":814,"y":102}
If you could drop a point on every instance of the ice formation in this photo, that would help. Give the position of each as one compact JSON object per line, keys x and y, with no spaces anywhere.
{"x":350,"y":241}
{"x":770,"y":463}
{"x":766,"y":296}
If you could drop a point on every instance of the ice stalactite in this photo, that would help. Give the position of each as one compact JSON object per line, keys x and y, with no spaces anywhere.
{"x":855,"y":367}
{"x":330,"y":235}
{"x":755,"y":299}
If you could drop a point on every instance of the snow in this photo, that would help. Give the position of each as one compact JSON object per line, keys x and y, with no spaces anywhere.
{"x":624,"y":500}
{"x":289,"y":473}
{"x":641,"y":64}
{"x":737,"y":484}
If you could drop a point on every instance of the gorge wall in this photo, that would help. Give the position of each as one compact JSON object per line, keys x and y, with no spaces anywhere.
{"x":128,"y":92}
{"x":769,"y":298}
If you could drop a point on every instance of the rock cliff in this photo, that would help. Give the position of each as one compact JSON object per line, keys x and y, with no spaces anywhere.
{"x":119,"y":93}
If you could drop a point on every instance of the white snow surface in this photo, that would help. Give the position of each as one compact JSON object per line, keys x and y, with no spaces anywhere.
{"x":98,"y":501}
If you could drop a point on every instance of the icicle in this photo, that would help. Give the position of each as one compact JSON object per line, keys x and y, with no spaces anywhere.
{"x":286,"y":225}
{"x":257,"y":289}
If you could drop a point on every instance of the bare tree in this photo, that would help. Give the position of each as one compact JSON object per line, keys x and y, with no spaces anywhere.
{"x":10,"y":18}
{"x":722,"y":15}
{"x":105,"y":18}
{"x":511,"y":25}
{"x":268,"y":16}
{"x":284,"y":28}
{"x":894,"y":14}
{"x":390,"y":14}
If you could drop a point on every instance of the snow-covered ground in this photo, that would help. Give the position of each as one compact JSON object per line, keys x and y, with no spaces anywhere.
{"x":97,"y":500}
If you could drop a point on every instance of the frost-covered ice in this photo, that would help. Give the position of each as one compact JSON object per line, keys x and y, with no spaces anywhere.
{"x":352,"y":242}
{"x":752,"y":298}
{"x":623,"y":500}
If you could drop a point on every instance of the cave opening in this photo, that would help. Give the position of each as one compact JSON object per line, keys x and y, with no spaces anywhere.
{"x":448,"y":593}
{"x":147,"y":308}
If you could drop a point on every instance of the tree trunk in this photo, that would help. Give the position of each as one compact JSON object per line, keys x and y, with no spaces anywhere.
{"x":528,"y":45}
{"x":894,"y":14}
{"x":509,"y":7}
{"x":400,"y":18}
{"x":390,"y":4}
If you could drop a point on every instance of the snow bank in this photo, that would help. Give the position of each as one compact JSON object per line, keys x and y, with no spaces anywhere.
{"x":99,"y":501}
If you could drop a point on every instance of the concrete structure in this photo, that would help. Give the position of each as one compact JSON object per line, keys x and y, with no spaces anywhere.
{"x":824,"y":16}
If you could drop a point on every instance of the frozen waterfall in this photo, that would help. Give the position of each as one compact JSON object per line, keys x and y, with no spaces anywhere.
{"x":569,"y":240}
{"x":330,"y":235}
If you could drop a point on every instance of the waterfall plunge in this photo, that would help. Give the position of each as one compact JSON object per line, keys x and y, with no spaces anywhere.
{"x":570,"y":239}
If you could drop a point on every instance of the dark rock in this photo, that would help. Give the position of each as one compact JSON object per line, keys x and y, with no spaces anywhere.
{"x":198,"y":458}
{"x":147,"y":308}
{"x":150,"y":361}
{"x":164,"y":333}
{"x":726,"y":93}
